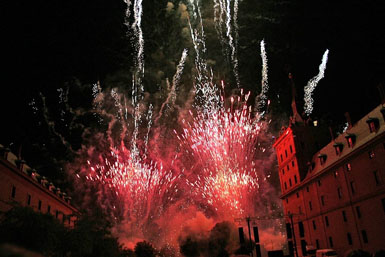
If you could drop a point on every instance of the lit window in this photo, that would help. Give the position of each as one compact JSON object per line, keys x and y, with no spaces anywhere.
{"x":338,"y":148}
{"x":371,"y":154}
{"x":373,"y":124}
{"x":335,"y":173}
{"x":348,"y":166}
{"x":351,"y":139}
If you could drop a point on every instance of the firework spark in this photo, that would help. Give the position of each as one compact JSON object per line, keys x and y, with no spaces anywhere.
{"x":312,"y":84}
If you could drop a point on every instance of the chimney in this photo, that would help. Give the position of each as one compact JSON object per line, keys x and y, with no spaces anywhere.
{"x":348,"y":119}
{"x":4,"y":152}
{"x":381,"y":91}
{"x":331,"y":133}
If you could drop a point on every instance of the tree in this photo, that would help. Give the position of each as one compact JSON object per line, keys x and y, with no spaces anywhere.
{"x":144,"y":249}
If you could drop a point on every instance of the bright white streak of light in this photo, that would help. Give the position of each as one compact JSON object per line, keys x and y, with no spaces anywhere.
{"x":261,"y":98}
{"x":312,"y":84}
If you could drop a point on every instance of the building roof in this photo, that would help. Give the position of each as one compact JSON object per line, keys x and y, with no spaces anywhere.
{"x":362,"y":136}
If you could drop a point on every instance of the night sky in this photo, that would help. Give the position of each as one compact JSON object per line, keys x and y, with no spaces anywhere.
{"x":51,"y":43}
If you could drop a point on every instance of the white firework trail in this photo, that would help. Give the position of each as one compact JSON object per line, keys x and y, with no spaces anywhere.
{"x":137,"y":27}
{"x":262,"y":97}
{"x":149,"y":124}
{"x":235,"y":19}
{"x":171,"y":97}
{"x":312,"y":84}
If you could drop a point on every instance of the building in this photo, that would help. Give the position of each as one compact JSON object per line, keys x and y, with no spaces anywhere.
{"x":334,"y":196}
{"x":23,"y":186}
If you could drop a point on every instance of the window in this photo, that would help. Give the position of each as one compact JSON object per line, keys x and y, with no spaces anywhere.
{"x":287,"y":200}
{"x":295,"y":179}
{"x":285,"y":153}
{"x":326,"y":221}
{"x":371,"y":154}
{"x":307,"y":189}
{"x":292,"y":164}
{"x":314,"y":225}
{"x":353,"y":187}
{"x":319,"y":182}
{"x":317,"y":243}
{"x":57,"y":214}
{"x":322,"y":200}
{"x":29,"y":197}
{"x":301,"y":229}
{"x":335,"y":173}
{"x":358,"y":210}
{"x":39,"y":205}
{"x":322,"y":158}
{"x":285,"y":185}
{"x":13,"y":192}
{"x":291,"y":149}
{"x":297,"y":195}
{"x":303,"y":247}
{"x":281,"y":158}
{"x":310,"y":206}
{"x":344,"y":216}
{"x":364,"y":236}
{"x":288,"y":168}
{"x":288,"y":230}
{"x":339,"y":192}
{"x":283,"y":171}
{"x":290,"y":182}
{"x":373,"y":124}
{"x":338,"y":148}
{"x":350,"y":241}
{"x":383,"y":204}
{"x":49,"y":209}
{"x":331,"y":242}
{"x":351,"y":139}
{"x":348,"y":166}
{"x":376,"y":178}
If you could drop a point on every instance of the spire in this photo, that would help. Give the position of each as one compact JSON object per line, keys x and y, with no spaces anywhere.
{"x":296,"y":117}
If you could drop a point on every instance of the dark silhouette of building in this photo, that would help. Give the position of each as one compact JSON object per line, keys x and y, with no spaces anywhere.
{"x":333,"y":192}
{"x":23,"y":186}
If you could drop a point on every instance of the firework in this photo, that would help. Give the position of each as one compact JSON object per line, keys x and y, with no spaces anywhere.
{"x":312,"y":84}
